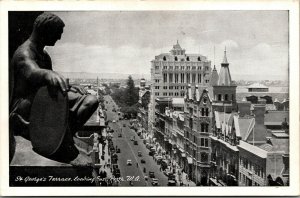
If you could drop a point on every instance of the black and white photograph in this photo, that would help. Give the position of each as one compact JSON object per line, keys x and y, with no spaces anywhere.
{"x":186,"y":99}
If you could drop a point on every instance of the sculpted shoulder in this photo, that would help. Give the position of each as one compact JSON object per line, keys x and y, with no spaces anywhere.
{"x":23,"y":53}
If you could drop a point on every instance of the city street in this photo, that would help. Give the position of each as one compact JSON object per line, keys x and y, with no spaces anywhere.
{"x":129,"y":151}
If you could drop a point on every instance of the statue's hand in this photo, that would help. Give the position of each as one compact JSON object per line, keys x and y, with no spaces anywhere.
{"x":55,"y":80}
{"x":77,"y":88}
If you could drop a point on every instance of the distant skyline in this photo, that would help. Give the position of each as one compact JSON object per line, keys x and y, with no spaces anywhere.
{"x":126,"y":41}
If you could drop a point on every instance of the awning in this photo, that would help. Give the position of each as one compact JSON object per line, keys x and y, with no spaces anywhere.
{"x":190,"y":160}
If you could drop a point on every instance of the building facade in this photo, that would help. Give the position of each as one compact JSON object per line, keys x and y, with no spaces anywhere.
{"x":172,"y":72}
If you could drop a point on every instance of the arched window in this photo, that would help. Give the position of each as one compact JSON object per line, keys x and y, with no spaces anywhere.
{"x":226,"y":97}
{"x":187,"y":58}
{"x":199,"y":59}
{"x":176,"y":59}
{"x":164,"y":58}
{"x":219,"y":97}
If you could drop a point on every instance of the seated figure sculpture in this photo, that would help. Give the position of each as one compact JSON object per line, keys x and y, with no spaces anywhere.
{"x":32,"y":69}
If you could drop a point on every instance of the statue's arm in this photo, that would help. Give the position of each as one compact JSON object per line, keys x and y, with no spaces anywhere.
{"x":30,"y":70}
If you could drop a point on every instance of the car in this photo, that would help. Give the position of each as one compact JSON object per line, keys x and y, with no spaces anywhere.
{"x":114,"y":121}
{"x":135,"y":142}
{"x":120,"y":135}
{"x":129,"y":162}
{"x":118,"y":150}
{"x":143,"y":161}
{"x":151,"y":174}
{"x":139,"y":153}
{"x":171,"y":183}
{"x":154,"y":182}
{"x":146,"y":177}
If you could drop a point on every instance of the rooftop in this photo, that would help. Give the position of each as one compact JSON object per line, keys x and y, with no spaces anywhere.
{"x":257,"y":85}
{"x":253,"y":149}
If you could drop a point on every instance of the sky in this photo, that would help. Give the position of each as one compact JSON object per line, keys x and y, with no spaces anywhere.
{"x":127,"y":41}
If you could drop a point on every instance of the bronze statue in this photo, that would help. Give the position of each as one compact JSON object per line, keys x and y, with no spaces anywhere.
{"x":32,"y":69}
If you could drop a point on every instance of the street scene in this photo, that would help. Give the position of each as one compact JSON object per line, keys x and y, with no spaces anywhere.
{"x":100,"y":99}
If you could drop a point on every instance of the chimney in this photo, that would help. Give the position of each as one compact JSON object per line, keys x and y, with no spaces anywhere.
{"x":244,"y":108}
{"x":259,"y":112}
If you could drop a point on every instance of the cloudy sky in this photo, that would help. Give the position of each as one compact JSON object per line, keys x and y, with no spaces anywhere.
{"x":126,"y":41}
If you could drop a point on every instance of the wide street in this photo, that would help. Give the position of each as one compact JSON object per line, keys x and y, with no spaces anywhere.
{"x":129,"y":151}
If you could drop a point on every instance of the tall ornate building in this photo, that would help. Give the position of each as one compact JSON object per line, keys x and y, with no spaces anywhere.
{"x":172,"y":72}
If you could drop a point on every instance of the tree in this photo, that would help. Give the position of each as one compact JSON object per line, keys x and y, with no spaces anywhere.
{"x":132,"y":96}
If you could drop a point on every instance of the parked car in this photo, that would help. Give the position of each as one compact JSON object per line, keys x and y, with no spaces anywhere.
{"x":171,"y":183}
{"x":135,"y":142}
{"x":139,"y":153}
{"x":117,"y":173}
{"x":154,"y":182}
{"x":146,"y":177}
{"x":129,"y":162}
{"x":118,"y":150}
{"x":143,"y":161}
{"x":151,"y":174}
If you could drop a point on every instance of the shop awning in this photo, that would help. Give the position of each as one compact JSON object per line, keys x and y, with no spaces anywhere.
{"x":190,"y":160}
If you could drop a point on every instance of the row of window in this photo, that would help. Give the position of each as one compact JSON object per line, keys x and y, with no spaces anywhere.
{"x":258,"y":170}
{"x":184,"y":78}
{"x":203,"y":141}
{"x":170,"y":94}
{"x":225,"y":97}
{"x":176,"y":58}
{"x":171,"y":87}
{"x":183,"y":68}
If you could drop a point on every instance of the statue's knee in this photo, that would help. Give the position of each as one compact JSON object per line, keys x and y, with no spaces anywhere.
{"x":91,"y":101}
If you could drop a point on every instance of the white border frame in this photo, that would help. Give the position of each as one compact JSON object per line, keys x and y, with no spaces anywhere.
{"x":292,"y":6}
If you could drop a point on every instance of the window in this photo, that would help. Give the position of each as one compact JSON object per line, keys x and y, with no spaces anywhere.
{"x":206,"y":68}
{"x":165,"y":94}
{"x":170,"y":87}
{"x":157,"y":80}
{"x":156,"y":93}
{"x":206,"y":142}
{"x":202,"y":142}
{"x":176,"y":59}
{"x":182,"y":94}
{"x":195,"y":139}
{"x":232,"y":97}
{"x":207,"y":112}
{"x":182,"y":67}
{"x":193,"y":68}
{"x":176,"y":67}
{"x":171,"y":67}
{"x":156,"y":67}
{"x":156,"y":87}
{"x":165,"y":67}
{"x":171,"y":94}
{"x":219,"y":97}
{"x":199,"y":78}
{"x":204,"y":100}
{"x":165,"y":87}
{"x":176,"y":78}
{"x":193,"y":78}
{"x":199,"y":59}
{"x":170,"y":78}
{"x":176,"y":93}
{"x":187,"y":58}
{"x":165,"y":78}
{"x":188,"y":67}
{"x":188,"y":78}
{"x":202,"y":112}
{"x":182,"y":77}
{"x":182,"y":87}
{"x":204,"y":157}
{"x":226,"y":97}
{"x":164,"y":58}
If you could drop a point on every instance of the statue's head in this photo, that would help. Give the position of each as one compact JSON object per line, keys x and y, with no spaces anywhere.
{"x":49,"y":28}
